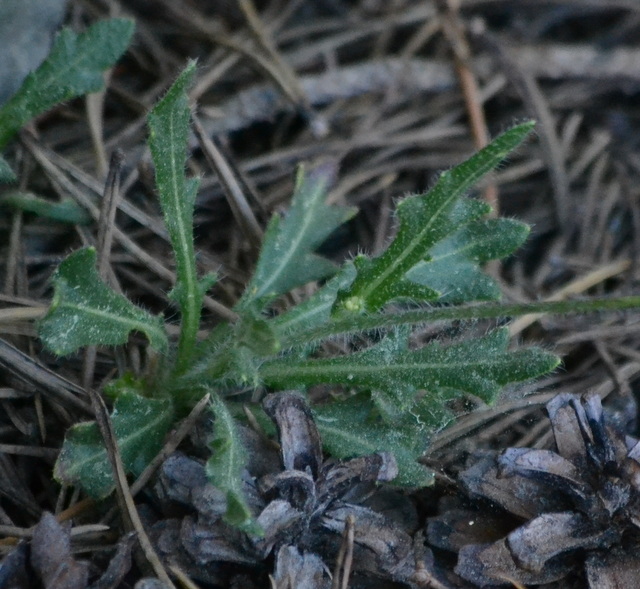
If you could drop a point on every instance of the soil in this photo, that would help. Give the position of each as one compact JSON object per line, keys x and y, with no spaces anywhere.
{"x":393,"y":92}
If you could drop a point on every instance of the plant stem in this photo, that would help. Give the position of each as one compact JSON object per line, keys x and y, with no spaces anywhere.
{"x":360,"y":323}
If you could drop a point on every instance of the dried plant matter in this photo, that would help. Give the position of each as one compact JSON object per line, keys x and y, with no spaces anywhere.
{"x":302,"y":507}
{"x":572,"y":509}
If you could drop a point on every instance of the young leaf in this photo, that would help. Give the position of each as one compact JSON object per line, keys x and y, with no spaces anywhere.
{"x":479,"y":367}
{"x":73,"y":68}
{"x":350,"y":428}
{"x":169,"y":132}
{"x":140,"y":425}
{"x":287,"y":259}
{"x":225,"y":467}
{"x":86,"y":312}
{"x":424,"y":221}
{"x":453,"y":264}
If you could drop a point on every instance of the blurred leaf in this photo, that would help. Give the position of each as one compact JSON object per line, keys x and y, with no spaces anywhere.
{"x":66,"y":211}
{"x":424,"y":221}
{"x":453,"y":265}
{"x":287,"y":259}
{"x":74,"y":67}
{"x":7,"y":175}
{"x":86,"y":312}
{"x":224,"y":468}
{"x":140,"y":425}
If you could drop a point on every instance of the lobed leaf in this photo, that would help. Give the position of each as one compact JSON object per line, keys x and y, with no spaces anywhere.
{"x":169,"y":134}
{"x":74,"y":67}
{"x":479,"y":367}
{"x":86,"y":312}
{"x":140,"y":426}
{"x":424,"y":221}
{"x":453,"y":267}
{"x":287,"y":259}
{"x":224,"y":468}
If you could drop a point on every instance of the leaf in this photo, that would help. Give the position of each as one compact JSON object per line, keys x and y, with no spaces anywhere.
{"x":169,"y":134}
{"x":350,"y":428}
{"x":479,"y":367}
{"x":7,"y":175}
{"x":316,"y":310}
{"x":66,"y":211}
{"x":287,"y":259}
{"x":225,"y":467}
{"x":453,"y":265}
{"x":424,"y":221}
{"x":74,"y":67}
{"x":86,"y":312}
{"x":140,"y":425}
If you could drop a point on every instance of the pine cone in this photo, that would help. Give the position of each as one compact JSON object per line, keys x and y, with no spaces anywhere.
{"x":575,"y":511}
{"x":303,"y":506}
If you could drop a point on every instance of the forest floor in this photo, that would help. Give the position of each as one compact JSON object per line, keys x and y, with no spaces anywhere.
{"x":393,"y":92}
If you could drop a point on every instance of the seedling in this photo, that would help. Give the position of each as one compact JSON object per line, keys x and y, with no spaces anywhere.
{"x":395,"y":395}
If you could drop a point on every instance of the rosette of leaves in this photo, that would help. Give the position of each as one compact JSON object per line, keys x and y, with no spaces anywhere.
{"x":398,"y":395}
{"x":567,"y":514}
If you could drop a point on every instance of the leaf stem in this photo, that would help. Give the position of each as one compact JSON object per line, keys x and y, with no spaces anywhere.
{"x":359,"y":323}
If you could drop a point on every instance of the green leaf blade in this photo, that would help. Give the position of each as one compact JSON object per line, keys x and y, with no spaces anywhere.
{"x":424,"y":221}
{"x":87,"y":312}
{"x":169,"y":133}
{"x":225,"y":467}
{"x":287,"y":259}
{"x":480,"y":367}
{"x":140,"y":426}
{"x":349,"y":428}
{"x":74,"y":67}
{"x":453,"y":267}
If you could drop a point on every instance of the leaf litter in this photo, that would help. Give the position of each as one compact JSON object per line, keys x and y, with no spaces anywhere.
{"x":388,"y":137}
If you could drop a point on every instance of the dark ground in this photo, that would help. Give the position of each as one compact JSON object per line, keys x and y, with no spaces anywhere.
{"x":375,"y":86}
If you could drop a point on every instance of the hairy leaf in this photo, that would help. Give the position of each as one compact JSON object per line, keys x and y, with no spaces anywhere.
{"x":86,"y":312}
{"x":424,"y":221}
{"x":140,"y":425}
{"x":226,"y":464}
{"x":453,"y":265}
{"x":480,"y":367}
{"x":287,"y":259}
{"x":350,"y":428}
{"x":74,"y":67}
{"x":169,"y":133}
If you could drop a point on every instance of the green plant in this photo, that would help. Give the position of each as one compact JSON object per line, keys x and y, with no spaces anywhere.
{"x":395,"y":396}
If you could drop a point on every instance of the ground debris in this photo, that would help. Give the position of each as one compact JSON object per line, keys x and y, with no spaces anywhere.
{"x":303,"y":510}
{"x":573,"y":511}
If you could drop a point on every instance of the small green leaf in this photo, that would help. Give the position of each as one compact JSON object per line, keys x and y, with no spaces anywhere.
{"x":225,"y":467}
{"x":7,"y":175}
{"x":169,"y":133}
{"x":453,"y":265}
{"x":287,"y":259}
{"x":350,"y":428}
{"x":87,"y":312}
{"x":73,"y":68}
{"x":479,"y":367}
{"x":424,"y":221}
{"x":140,"y":427}
{"x":316,"y":310}
{"x":66,"y":211}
